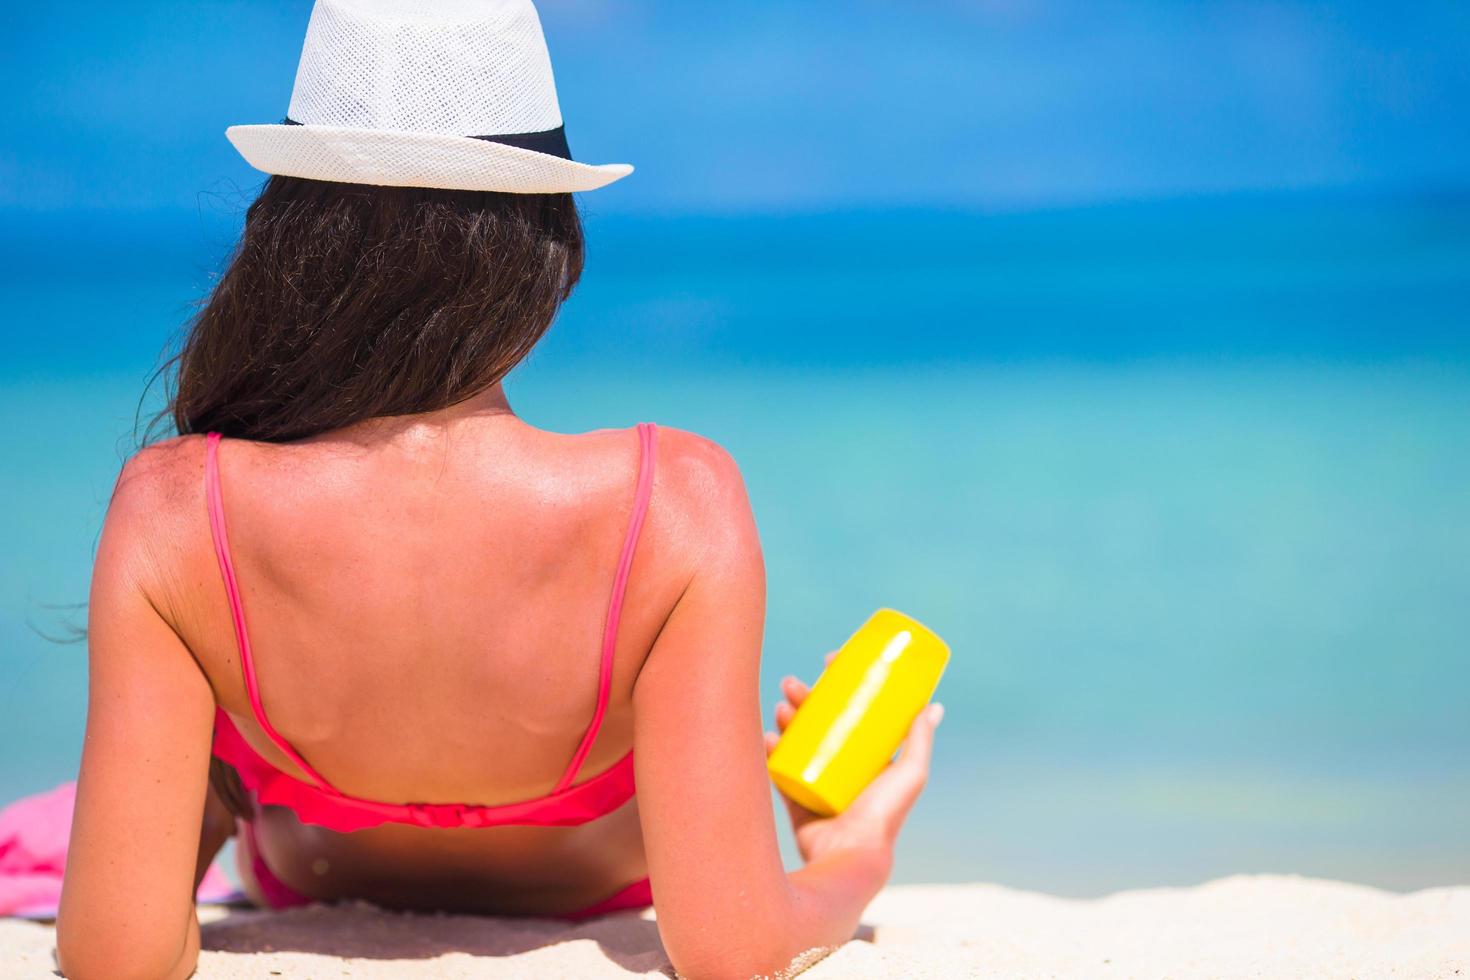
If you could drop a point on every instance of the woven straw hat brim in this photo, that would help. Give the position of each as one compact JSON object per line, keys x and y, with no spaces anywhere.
{"x":393,"y":158}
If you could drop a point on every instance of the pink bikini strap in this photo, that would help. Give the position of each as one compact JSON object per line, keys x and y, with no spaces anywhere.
{"x":647,"y":448}
{"x":237,"y":610}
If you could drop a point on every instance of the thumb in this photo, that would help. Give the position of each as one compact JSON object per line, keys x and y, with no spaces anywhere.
{"x":918,"y":748}
{"x":907,"y":776}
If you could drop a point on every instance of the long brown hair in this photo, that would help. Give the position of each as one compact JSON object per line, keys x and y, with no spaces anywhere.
{"x":344,"y":302}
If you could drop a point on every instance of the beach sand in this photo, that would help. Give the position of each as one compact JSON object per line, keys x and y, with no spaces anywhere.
{"x":1245,"y":926}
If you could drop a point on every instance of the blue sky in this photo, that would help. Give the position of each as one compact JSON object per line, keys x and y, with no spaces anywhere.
{"x":762,"y":106}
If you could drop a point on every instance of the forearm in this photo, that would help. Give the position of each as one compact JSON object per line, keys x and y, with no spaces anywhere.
{"x":831,"y":892}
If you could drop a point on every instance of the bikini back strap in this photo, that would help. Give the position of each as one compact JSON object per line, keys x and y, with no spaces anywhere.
{"x":647,"y":449}
{"x":221,"y":539}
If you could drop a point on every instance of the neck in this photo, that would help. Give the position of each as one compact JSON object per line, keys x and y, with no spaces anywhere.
{"x":490,"y":401}
{"x":420,"y":426}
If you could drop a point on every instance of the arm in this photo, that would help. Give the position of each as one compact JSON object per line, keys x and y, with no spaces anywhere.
{"x":127,"y":904}
{"x":726,"y":907}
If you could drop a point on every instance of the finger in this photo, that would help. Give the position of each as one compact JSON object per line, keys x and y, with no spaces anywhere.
{"x":904,"y":779}
{"x":800,"y":815}
{"x":918,"y":748}
{"x":770,"y":739}
{"x":796,"y":691}
{"x":830,"y":657}
{"x":784,"y":713}
{"x":897,"y":788}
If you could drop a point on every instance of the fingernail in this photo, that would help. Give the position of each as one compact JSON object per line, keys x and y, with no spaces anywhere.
{"x":936,"y":714}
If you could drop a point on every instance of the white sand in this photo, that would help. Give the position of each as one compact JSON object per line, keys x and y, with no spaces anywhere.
{"x":1261,"y":926}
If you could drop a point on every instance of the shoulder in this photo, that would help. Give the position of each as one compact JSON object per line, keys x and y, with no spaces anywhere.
{"x":697,"y":470}
{"x":159,"y":481}
{"x":156,"y":509}
{"x":702,"y":499}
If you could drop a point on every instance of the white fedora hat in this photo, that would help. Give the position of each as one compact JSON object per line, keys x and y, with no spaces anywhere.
{"x":456,"y":94}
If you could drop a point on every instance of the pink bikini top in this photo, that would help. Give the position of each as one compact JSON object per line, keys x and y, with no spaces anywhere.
{"x":318,"y":802}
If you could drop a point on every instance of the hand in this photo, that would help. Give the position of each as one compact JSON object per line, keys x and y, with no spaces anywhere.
{"x":873,"y":820}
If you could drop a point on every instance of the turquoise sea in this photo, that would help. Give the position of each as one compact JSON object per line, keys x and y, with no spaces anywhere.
{"x":1186,"y":485}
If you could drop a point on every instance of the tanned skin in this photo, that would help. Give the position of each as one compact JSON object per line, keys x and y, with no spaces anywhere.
{"x":425,"y":596}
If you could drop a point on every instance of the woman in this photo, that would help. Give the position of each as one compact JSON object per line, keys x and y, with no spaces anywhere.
{"x":406,"y":647}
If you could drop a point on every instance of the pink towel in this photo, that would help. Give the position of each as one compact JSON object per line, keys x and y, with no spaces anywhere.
{"x":33,"y":838}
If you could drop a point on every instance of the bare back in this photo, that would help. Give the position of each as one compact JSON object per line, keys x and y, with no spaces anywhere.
{"x":419,"y":610}
{"x":426,"y":609}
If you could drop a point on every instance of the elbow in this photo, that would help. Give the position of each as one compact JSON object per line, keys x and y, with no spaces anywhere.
{"x":80,"y":957}
{"x":85,"y":965}
{"x":739,"y":965}
{"x":709,"y":969}
{"x":728,"y":955}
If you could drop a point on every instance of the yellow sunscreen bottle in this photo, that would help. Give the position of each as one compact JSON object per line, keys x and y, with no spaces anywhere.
{"x":858,"y":713}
